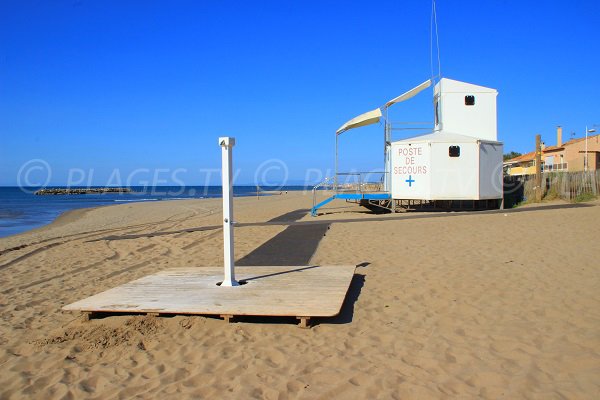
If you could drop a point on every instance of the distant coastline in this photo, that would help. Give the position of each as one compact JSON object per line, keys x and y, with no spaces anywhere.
{"x":65,"y":191}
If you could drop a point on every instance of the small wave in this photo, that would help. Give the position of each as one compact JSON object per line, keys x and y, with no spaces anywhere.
{"x":184,"y":198}
{"x":138,"y":200}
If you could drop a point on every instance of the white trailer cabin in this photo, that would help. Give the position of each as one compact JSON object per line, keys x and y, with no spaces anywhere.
{"x":461,"y":159}
{"x":446,"y":166}
{"x":466,"y":109}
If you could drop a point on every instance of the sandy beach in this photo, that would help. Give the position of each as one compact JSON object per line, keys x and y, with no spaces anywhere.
{"x":443,"y":305}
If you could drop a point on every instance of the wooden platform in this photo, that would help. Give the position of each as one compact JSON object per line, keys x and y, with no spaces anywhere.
{"x":302,"y":292}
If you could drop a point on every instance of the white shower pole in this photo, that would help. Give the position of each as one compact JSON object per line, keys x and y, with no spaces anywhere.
{"x":227,"y":144}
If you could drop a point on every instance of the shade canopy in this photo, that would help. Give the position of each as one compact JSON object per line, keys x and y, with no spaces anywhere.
{"x":365,"y":119}
{"x":411,"y":93}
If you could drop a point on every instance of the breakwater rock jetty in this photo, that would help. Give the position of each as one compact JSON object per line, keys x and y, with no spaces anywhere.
{"x":59,"y":191}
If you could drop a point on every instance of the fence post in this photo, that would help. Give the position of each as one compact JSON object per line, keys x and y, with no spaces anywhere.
{"x":538,"y":168}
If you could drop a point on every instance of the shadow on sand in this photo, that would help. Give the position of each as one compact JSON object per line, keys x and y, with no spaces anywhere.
{"x":294,"y":246}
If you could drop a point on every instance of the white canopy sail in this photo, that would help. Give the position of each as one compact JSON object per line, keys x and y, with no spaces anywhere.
{"x":365,"y":119}
{"x":411,"y":93}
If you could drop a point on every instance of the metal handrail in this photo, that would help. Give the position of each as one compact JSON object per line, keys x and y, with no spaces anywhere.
{"x":334,"y":182}
{"x":362,"y":182}
{"x":317,"y":186}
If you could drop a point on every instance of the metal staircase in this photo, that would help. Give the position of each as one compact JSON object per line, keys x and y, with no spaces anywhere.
{"x":355,"y":187}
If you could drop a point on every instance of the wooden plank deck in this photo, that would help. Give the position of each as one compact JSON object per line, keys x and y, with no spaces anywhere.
{"x":302,"y":292}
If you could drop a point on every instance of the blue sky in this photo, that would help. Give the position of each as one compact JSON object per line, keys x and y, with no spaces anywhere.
{"x":103,"y":85}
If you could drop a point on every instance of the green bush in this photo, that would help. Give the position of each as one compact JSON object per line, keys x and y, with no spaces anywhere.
{"x":584,"y":197}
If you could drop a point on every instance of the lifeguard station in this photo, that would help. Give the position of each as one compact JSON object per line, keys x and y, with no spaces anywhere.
{"x":460,"y":159}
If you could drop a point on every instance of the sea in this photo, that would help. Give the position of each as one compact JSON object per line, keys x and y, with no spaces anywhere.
{"x":22,"y":210}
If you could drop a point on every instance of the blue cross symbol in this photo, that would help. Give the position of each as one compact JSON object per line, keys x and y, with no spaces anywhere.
{"x":410,"y":181}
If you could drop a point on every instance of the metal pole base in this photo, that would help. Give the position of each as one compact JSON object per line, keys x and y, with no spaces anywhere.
{"x":231,"y":283}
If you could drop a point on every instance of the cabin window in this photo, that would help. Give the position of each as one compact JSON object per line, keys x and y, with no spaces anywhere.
{"x":469,"y":100}
{"x":454,"y":151}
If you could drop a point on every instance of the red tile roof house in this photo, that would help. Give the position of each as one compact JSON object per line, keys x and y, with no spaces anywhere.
{"x":569,"y":156}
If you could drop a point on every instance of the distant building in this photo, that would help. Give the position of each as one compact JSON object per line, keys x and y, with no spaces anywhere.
{"x":563,"y":157}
